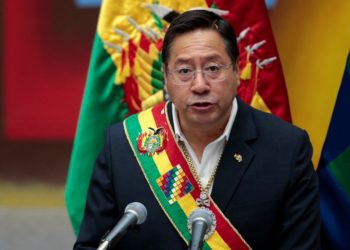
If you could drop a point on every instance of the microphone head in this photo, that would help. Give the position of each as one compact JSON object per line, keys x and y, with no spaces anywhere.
{"x":205,"y":215}
{"x":137,"y":209}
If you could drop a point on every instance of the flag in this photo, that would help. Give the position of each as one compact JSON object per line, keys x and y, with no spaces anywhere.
{"x":334,"y":172}
{"x":313,"y":50}
{"x":125,"y":73}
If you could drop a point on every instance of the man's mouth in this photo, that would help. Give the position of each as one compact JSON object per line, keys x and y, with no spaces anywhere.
{"x":202,"y":105}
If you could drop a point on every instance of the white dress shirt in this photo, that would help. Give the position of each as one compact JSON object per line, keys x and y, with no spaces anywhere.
{"x":212,"y":152}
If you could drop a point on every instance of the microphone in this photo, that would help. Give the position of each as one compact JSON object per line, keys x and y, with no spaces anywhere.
{"x":135,"y":214}
{"x":201,"y":224}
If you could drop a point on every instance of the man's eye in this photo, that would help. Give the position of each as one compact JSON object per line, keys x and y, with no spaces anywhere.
{"x":184,"y":71}
{"x":212,"y":68}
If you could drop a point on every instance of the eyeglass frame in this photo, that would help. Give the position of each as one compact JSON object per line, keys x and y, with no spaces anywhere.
{"x":203,"y":72}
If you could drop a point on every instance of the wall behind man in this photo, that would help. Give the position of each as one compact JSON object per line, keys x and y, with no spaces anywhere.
{"x":45,"y":50}
{"x":44,"y":54}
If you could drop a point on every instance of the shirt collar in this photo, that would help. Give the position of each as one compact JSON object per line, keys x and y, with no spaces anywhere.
{"x":226,"y":134}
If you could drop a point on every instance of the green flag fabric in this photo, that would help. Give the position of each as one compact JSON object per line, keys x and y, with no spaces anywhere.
{"x":102,"y":105}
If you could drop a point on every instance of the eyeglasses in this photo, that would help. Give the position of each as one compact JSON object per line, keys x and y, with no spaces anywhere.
{"x":213,"y":73}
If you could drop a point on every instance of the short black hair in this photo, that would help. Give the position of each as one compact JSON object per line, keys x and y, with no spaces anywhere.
{"x":200,"y":19}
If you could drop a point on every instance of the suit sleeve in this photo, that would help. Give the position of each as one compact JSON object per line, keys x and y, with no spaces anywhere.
{"x":100,"y":212}
{"x":300,"y":225}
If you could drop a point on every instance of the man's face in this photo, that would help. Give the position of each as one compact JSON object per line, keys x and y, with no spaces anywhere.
{"x":202,"y":101}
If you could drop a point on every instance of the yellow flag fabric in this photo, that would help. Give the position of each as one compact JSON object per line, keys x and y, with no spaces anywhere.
{"x":313,"y":38}
{"x":116,"y":15}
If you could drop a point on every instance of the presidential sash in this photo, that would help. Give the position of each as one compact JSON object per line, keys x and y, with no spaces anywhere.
{"x":171,"y":180}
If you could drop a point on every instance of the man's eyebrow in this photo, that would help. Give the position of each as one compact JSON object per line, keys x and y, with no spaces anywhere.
{"x":207,"y":58}
{"x":213,"y":57}
{"x":182,"y":60}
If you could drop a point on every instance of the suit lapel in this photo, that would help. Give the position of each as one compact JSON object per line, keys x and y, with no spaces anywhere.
{"x":236,"y":157}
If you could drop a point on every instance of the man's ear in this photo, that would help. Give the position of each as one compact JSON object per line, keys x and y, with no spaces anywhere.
{"x":164,"y":74}
{"x":236,"y":66}
{"x":238,"y":75}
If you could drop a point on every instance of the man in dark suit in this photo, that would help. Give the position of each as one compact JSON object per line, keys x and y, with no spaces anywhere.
{"x":255,"y":168}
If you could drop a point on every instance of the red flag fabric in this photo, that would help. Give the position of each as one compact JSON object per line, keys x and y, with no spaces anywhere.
{"x":262,"y":81}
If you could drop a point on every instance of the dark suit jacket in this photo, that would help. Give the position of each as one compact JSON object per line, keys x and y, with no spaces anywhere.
{"x":271,"y":197}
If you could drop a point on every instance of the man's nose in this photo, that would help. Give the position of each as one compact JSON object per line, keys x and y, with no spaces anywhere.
{"x":200,"y":84}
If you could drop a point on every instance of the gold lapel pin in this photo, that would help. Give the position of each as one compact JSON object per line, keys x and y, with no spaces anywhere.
{"x":238,"y":157}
